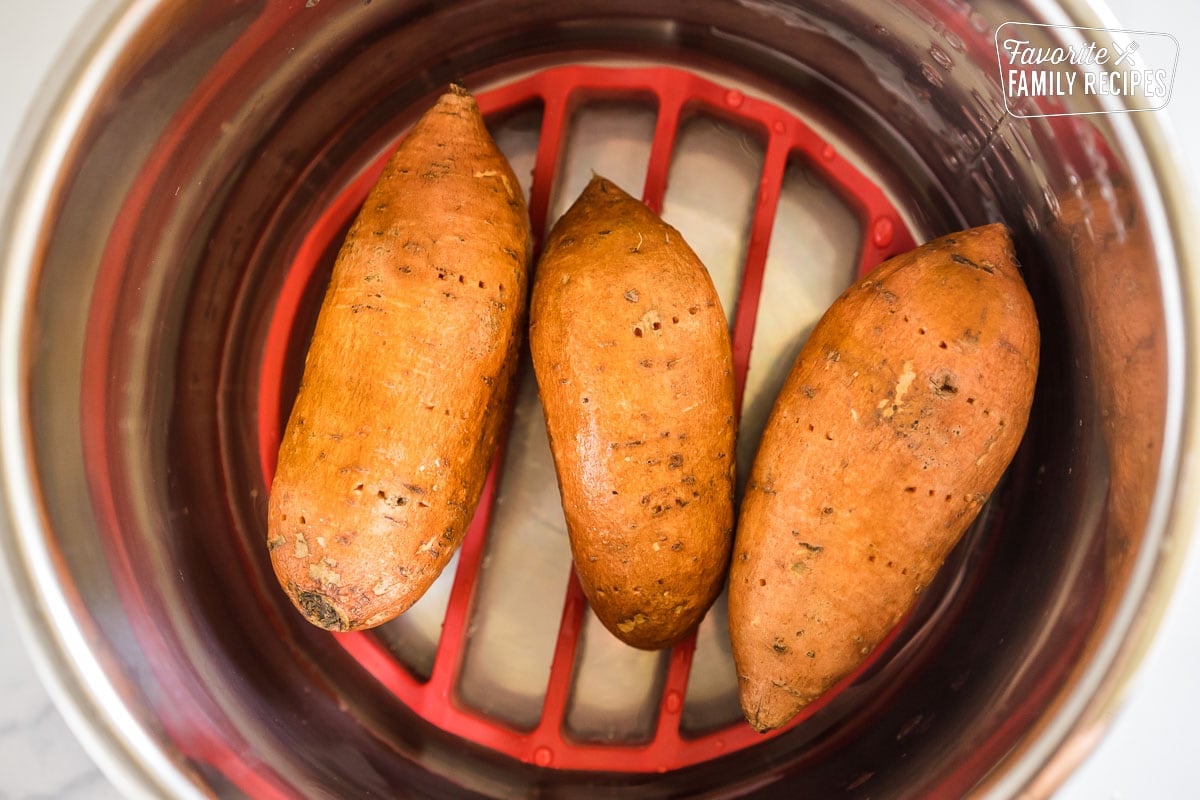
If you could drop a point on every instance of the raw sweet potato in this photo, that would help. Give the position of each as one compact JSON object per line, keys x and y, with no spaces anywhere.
{"x":406,"y":379}
{"x":632,"y":356}
{"x":900,"y":414}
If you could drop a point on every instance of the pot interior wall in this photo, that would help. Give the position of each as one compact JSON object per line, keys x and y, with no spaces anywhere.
{"x":228,"y":129}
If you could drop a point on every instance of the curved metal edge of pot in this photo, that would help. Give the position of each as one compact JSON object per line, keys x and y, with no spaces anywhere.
{"x":1041,"y":764}
{"x":54,"y":624}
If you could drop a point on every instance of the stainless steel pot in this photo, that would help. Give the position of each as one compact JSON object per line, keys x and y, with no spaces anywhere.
{"x":179,"y":166}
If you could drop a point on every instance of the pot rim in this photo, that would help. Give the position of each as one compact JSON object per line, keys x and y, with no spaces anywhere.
{"x":60,"y":635}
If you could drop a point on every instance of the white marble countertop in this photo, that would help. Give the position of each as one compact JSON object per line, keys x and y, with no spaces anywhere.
{"x":1148,"y":753}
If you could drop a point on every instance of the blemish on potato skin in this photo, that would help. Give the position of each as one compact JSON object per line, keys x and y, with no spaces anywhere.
{"x":323,"y":574}
{"x":319,"y":610}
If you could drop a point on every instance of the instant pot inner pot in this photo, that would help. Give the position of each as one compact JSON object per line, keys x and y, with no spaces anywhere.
{"x":197,"y":228}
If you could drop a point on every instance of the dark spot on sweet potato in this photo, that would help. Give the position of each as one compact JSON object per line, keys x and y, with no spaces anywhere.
{"x":320,"y":611}
{"x":966,"y":262}
{"x":778,"y":646}
{"x":944,"y":383}
{"x":675,"y":461}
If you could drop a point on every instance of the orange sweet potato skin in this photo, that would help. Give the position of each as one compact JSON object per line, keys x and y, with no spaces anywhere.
{"x":895,"y":423}
{"x":405,"y":383}
{"x":632,"y":356}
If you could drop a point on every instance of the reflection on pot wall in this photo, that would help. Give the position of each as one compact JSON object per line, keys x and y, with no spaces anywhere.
{"x":1113,"y":257}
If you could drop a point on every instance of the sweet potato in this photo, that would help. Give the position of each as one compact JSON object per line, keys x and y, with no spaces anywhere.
{"x":900,"y":414}
{"x":632,"y":356}
{"x":406,"y":379}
